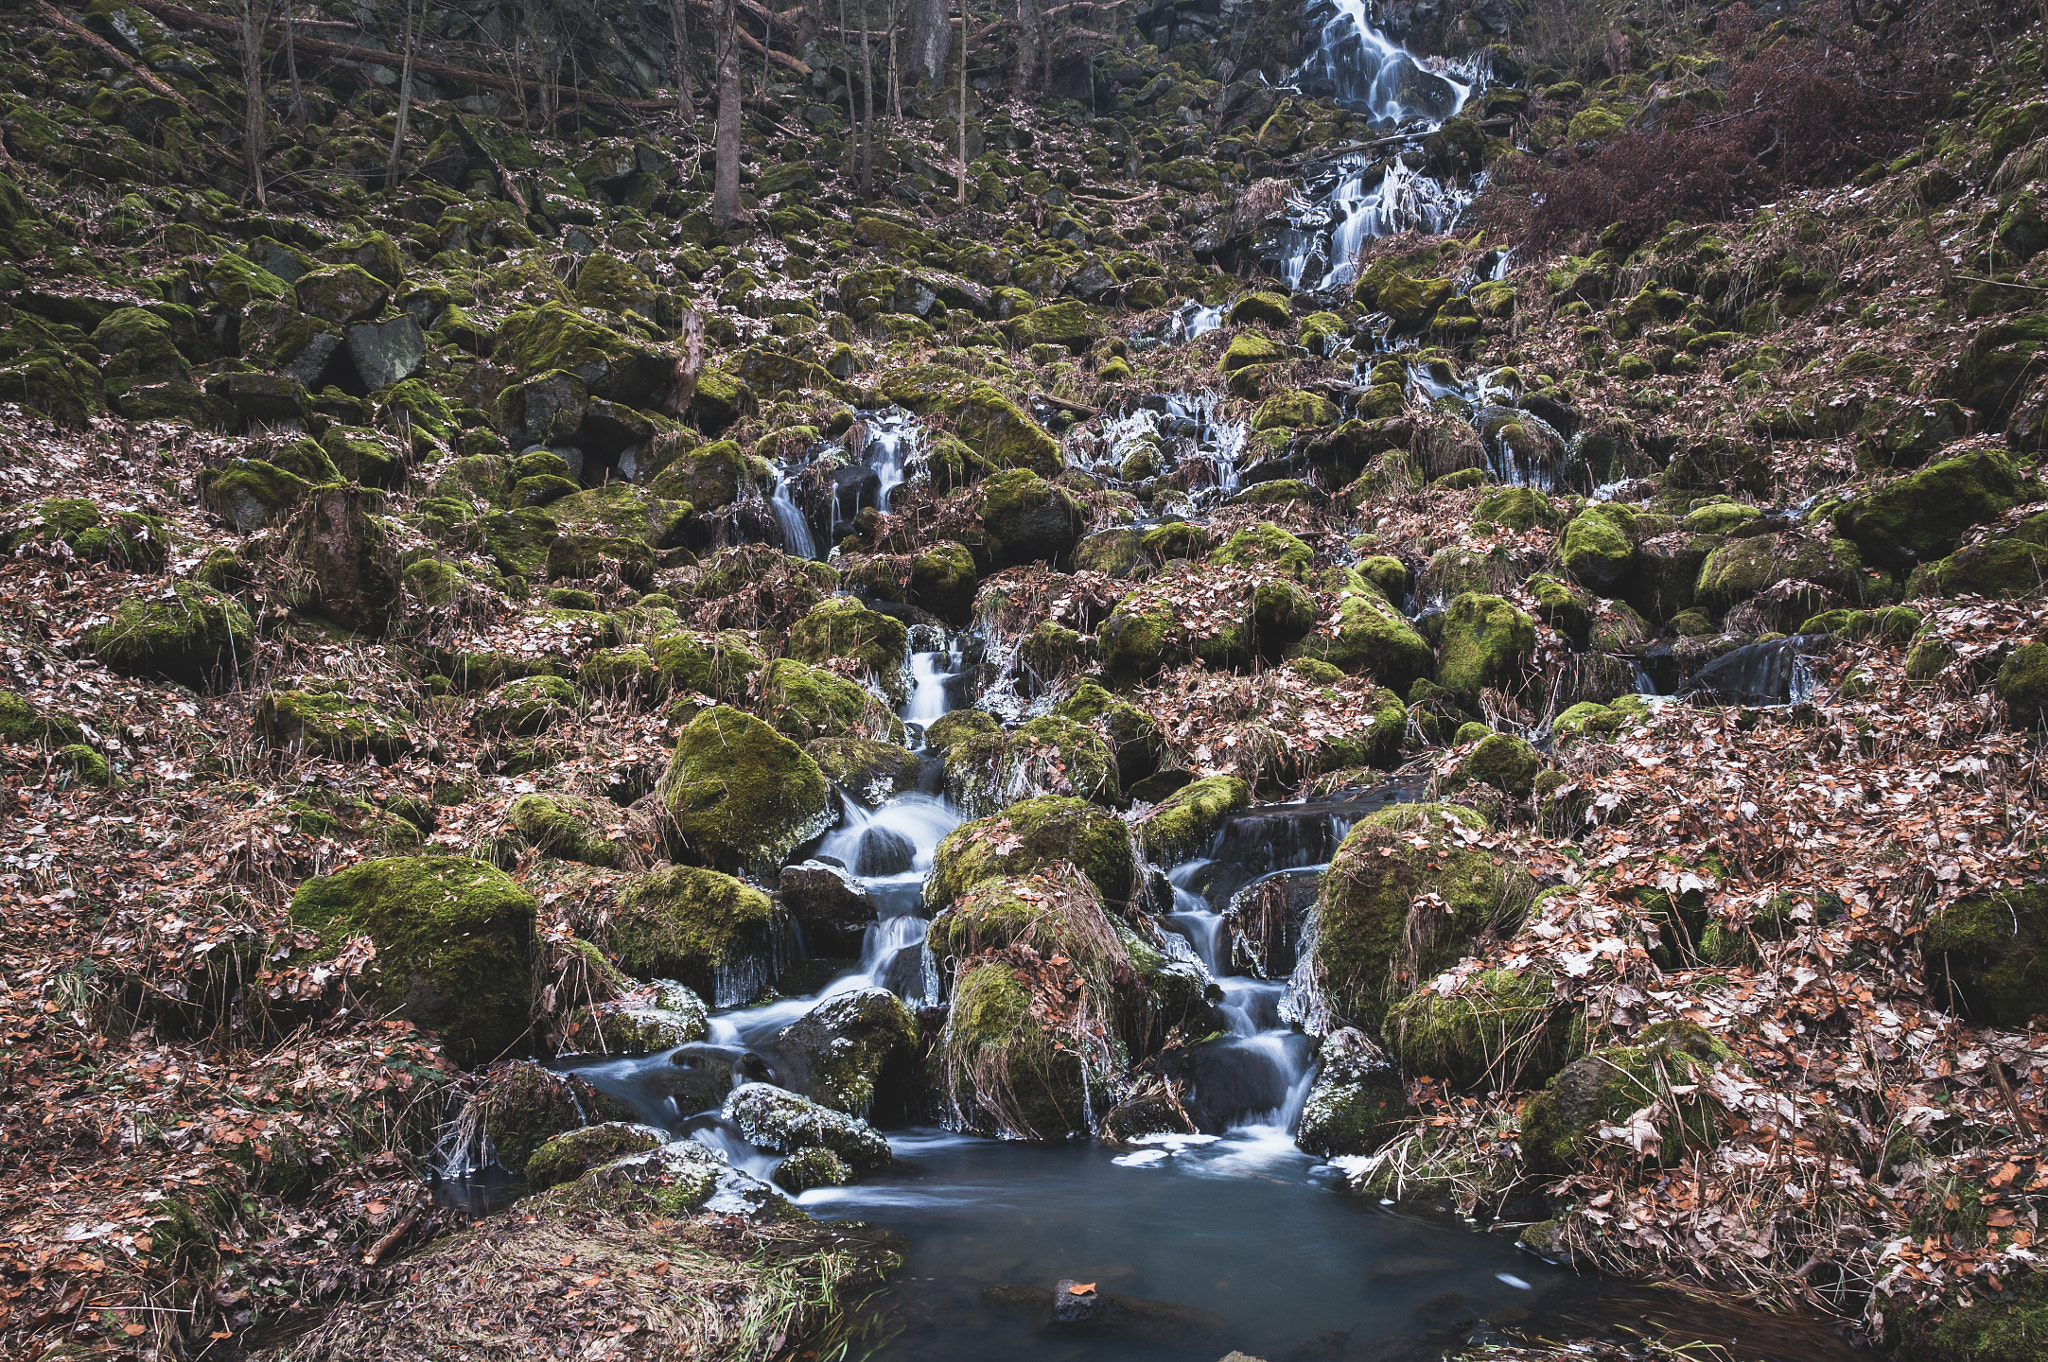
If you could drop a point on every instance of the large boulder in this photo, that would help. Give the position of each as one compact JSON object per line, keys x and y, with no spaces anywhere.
{"x":803,"y":703}
{"x":324,"y":720}
{"x":839,"y":1052}
{"x":1500,"y":1029}
{"x":1046,"y":756}
{"x":1746,"y":567}
{"x":346,"y":568}
{"x":830,"y":908}
{"x":187,"y":634}
{"x":706,"y":930}
{"x":453,"y":938}
{"x":1032,"y":835}
{"x":841,"y":626}
{"x":1599,"y":547}
{"x":1666,"y":1070}
{"x":739,"y":796}
{"x":1357,"y":1101}
{"x":1002,"y":433}
{"x":1028,"y":519}
{"x":1182,"y":823}
{"x":1406,"y":895}
{"x":1923,"y":516}
{"x":1369,"y":636}
{"x":611,"y":365}
{"x":1487,"y":641}
{"x":1987,"y":957}
{"x":782,"y":1122}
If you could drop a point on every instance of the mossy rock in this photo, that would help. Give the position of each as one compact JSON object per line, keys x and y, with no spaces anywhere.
{"x":1113,"y":553}
{"x":1294,"y":410}
{"x":1182,"y":823}
{"x":1559,"y":1124}
{"x":194,"y":637}
{"x":1742,"y":568}
{"x":2009,"y":1324}
{"x":1269,"y":308}
{"x":1371,"y":638}
{"x":2022,"y":683}
{"x":1031,"y":835}
{"x":340,"y":296}
{"x":1047,"y":755}
{"x":1507,"y":763}
{"x":529,"y":705}
{"x":704,"y":929}
{"x":1514,"y":508}
{"x":841,"y":1052}
{"x":626,"y":670}
{"x":1003,"y":434}
{"x":2003,"y":569}
{"x":942,"y":581}
{"x":739,"y":796}
{"x":1249,"y":350}
{"x":627,"y":1027}
{"x":1599,"y":547}
{"x":620,"y":510}
{"x":1368,"y":952}
{"x":1266,"y":545}
{"x":568,"y":1156}
{"x":252,"y":493}
{"x":28,"y":724}
{"x":1586,"y":717}
{"x":1499,"y":1029}
{"x":803,"y":702}
{"x":78,"y":764}
{"x":328,"y":723}
{"x":1001,"y":1072}
{"x":1563,"y":607}
{"x":841,"y":626}
{"x":569,"y":827}
{"x":717,"y":665}
{"x":1027,"y":519}
{"x":782,"y":1122}
{"x":953,"y":726}
{"x":1357,"y":1102}
{"x":453,"y":939}
{"x":1069,"y":325}
{"x":611,"y":365}
{"x":1987,"y":957}
{"x":865,"y":769}
{"x":520,"y":1106}
{"x":1133,"y":735}
{"x":125,"y":539}
{"x":1924,"y":514}
{"x":1487,"y":641}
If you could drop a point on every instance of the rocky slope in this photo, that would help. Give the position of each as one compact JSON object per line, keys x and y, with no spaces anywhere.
{"x":421,"y":660}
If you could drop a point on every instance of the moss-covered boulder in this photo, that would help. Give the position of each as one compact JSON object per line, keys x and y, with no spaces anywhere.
{"x":1133,"y":735}
{"x":2002,"y":569}
{"x":1487,"y":641}
{"x":568,"y":1156}
{"x":571,"y":827}
{"x":187,"y":633}
{"x":529,"y":705}
{"x":253,"y":493}
{"x":1369,"y":637}
{"x":739,"y":796}
{"x":1667,"y":1068}
{"x":2023,"y":684}
{"x":1293,"y":410}
{"x":803,"y":702}
{"x":453,"y":937}
{"x":124,"y":539}
{"x":1358,"y":1100}
{"x":519,"y":1106}
{"x":1742,"y":568}
{"x":1599,"y":547}
{"x":942,"y":580}
{"x":1002,"y":1070}
{"x":325,"y":721}
{"x":841,"y":626}
{"x":1269,"y":546}
{"x":611,"y":365}
{"x":1499,"y":1029}
{"x":1028,"y":519}
{"x":634,"y":1025}
{"x":1248,"y":349}
{"x":1003,"y":434}
{"x":1182,"y":823}
{"x":1923,"y":515}
{"x":340,"y":296}
{"x":1507,"y":763}
{"x":1031,"y":835}
{"x":781,"y":1122}
{"x":707,"y":478}
{"x":1378,"y":934}
{"x":866,"y":770}
{"x":840,"y":1052}
{"x":1046,"y":756}
{"x":706,"y":930}
{"x":1987,"y":957}
{"x":24,"y":722}
{"x":716,"y":665}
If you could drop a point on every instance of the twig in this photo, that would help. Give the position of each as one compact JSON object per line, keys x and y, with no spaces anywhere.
{"x":1062,"y":404}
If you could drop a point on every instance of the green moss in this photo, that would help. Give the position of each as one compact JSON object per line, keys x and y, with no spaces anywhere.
{"x":1499,"y":1029}
{"x":1988,"y":957}
{"x":813,"y":1167}
{"x":719,"y":666}
{"x":1371,"y":638}
{"x":2006,"y":1325}
{"x":942,"y":580}
{"x":1742,"y":568}
{"x":869,"y":771}
{"x":527,"y":706}
{"x":707,"y":478}
{"x":803,"y":702}
{"x":1514,"y":508}
{"x":2003,"y":569}
{"x":1925,"y":513}
{"x":618,"y":671}
{"x":564,"y":826}
{"x":1182,"y":823}
{"x":1600,"y":547}
{"x":1487,"y":641}
{"x":1001,"y":1072}
{"x":1507,"y":763}
{"x":1667,"y":1067}
{"x":1293,"y":410}
{"x":1247,"y":349}
{"x":83,"y":766}
{"x":568,"y":1156}
{"x":1032,"y":835}
{"x":194,"y":638}
{"x":2023,"y":684}
{"x":739,"y":795}
{"x":941,"y":733}
{"x":1266,"y":545}
{"x":452,"y":936}
{"x":328,"y":723}
{"x":704,"y":929}
{"x":1000,"y":431}
{"x":841,"y":626}
{"x":252,"y":493}
{"x":22,"y":722}
{"x":1027,"y":519}
{"x":1049,"y":755}
{"x":1368,"y":954}
{"x":1132,"y":734}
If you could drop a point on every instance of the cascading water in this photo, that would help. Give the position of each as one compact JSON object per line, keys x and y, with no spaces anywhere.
{"x":892,"y":443}
{"x":795,"y":530}
{"x":1175,"y":438}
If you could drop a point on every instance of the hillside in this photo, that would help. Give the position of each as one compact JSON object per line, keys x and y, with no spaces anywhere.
{"x":1445,"y":601}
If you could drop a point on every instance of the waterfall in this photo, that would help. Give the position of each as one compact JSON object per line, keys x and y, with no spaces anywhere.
{"x":891,"y":436}
{"x":795,"y":530}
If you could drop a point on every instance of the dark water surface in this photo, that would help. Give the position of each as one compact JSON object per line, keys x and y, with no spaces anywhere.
{"x":1250,"y":1251}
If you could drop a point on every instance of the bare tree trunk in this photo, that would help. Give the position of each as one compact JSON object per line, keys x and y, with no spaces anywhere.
{"x":291,"y":65}
{"x":852,"y":113}
{"x":679,"y":28}
{"x":1030,"y":39}
{"x":810,"y":22}
{"x":867,"y":130}
{"x":725,"y":192}
{"x":412,"y":25}
{"x":896,"y":76}
{"x":963,"y":102}
{"x":931,"y":33}
{"x":252,"y":75}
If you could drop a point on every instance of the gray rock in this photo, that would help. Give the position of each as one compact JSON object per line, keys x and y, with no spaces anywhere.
{"x":832,"y":911}
{"x":387,"y":352}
